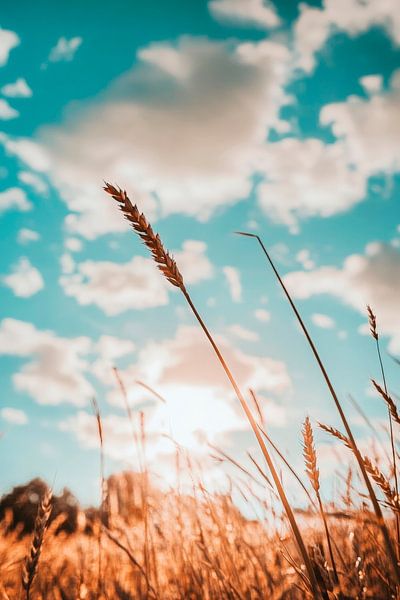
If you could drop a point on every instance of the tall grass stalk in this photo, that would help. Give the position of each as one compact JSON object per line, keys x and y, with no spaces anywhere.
{"x":170,"y":270}
{"x":310,"y":458}
{"x":97,"y":415}
{"x":377,"y":509}
{"x":374,"y":333}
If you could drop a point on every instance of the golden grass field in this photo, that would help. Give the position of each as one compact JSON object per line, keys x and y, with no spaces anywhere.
{"x":144,"y":543}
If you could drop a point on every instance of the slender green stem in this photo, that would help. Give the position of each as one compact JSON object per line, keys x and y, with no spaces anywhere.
{"x":356,"y":452}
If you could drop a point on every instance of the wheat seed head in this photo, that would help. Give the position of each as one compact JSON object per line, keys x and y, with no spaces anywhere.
{"x":31,"y":562}
{"x":383,"y":483}
{"x":389,"y":401}
{"x":372,"y":323}
{"x":162,"y":257}
{"x":310,"y":455}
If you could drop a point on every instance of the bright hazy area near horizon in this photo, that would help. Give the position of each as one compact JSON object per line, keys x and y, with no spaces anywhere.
{"x":280,"y":119}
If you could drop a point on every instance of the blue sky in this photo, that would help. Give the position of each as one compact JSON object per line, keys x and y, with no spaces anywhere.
{"x":215,"y":116}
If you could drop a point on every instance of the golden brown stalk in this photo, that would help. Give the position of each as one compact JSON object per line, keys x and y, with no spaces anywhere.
{"x":310,"y":458}
{"x":103,"y":492}
{"x":351,"y":439}
{"x":392,"y":413}
{"x":32,"y":560}
{"x":169,"y":268}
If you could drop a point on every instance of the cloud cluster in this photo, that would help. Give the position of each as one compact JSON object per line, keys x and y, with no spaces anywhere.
{"x":173,"y":131}
{"x":65,"y":49}
{"x":369,"y":128}
{"x":307,"y":178}
{"x":186,"y":129}
{"x":136,"y":284}
{"x":18,"y":89}
{"x":234,"y":282}
{"x":55,"y":370}
{"x":8,"y":41}
{"x":13,"y":415}
{"x":370,"y":278}
{"x":7,"y":112}
{"x":115,"y":287}
{"x":315,"y":25}
{"x":26,"y":235}
{"x":25,"y":280}
{"x":14,"y":198}
{"x":252,"y":13}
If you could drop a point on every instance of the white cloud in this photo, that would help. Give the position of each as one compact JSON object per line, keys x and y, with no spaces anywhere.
{"x":34,"y":181}
{"x":137,"y":284}
{"x":327,"y":179}
{"x":14,"y":198}
{"x":370,"y":278}
{"x":7,"y":112}
{"x":115,"y":287}
{"x":322,"y":180}
{"x":27,"y":151}
{"x":372,"y":83}
{"x":315,"y":25}
{"x":243,"y":333}
{"x":193,"y":262}
{"x":73,"y":244}
{"x":18,"y":89}
{"x":253,"y":13}
{"x":26,"y":235}
{"x":25,"y":280}
{"x":369,"y":128}
{"x":56,"y":368}
{"x":109,"y":350}
{"x":262,"y":315}
{"x":13,"y":415}
{"x":8,"y":41}
{"x":65,"y":49}
{"x":67,"y":263}
{"x":304,"y":258}
{"x":323,"y":321}
{"x":225,"y":96}
{"x":54,"y":373}
{"x":232,"y":277}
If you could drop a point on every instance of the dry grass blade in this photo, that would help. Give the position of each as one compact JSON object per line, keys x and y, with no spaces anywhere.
{"x":389,"y":401}
{"x":32,"y":560}
{"x":164,"y":260}
{"x":169,"y":268}
{"x":131,"y":557}
{"x":103,"y":494}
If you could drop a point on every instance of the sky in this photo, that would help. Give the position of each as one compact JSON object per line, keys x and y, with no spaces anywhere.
{"x":281,"y":119}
